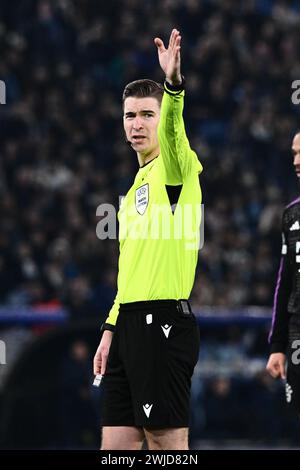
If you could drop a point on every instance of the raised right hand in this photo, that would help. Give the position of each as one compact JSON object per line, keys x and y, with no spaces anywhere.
{"x":169,"y":59}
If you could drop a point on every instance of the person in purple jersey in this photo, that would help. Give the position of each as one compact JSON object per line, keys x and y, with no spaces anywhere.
{"x":284,"y":337}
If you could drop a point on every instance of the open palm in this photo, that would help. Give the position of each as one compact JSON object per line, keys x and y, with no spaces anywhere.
{"x":169,"y":59}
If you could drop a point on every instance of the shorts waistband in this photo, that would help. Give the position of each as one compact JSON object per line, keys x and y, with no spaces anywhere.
{"x":181,"y":305}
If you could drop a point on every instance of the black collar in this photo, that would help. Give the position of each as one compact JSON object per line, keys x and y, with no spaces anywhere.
{"x":148,"y":162}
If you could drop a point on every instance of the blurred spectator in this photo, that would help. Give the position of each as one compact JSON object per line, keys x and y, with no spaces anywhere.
{"x":77,"y":417}
{"x":224,"y":410}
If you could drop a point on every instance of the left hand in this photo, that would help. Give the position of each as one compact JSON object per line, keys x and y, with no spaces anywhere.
{"x":169,"y":59}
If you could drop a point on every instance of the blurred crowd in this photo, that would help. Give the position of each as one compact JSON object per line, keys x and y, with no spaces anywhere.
{"x":62,"y":150}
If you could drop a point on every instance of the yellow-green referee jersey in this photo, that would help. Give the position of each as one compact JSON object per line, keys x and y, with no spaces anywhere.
{"x":159,"y":248}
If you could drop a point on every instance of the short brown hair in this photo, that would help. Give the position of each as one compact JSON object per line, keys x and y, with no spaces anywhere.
{"x":143,"y":88}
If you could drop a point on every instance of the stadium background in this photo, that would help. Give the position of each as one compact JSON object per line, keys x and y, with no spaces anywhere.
{"x":62,"y":153}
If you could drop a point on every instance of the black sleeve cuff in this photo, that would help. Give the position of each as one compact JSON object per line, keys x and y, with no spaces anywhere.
{"x":107,"y":326}
{"x":278,"y":347}
{"x":174,"y":89}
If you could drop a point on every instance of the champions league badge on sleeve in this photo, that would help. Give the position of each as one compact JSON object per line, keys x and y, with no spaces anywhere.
{"x":142,"y":198}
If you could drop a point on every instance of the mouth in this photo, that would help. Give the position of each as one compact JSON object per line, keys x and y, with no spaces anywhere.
{"x":297,"y":172}
{"x":138,"y":138}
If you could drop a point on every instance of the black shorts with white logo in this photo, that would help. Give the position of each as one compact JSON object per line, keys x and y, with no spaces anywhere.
{"x":151,"y":360}
{"x":292,"y":386}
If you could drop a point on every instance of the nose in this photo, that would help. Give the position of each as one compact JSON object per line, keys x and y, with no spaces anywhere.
{"x":137,"y":123}
{"x":297,"y":159}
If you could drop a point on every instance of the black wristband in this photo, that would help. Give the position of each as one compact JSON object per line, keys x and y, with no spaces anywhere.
{"x":107,"y":326}
{"x":175,"y":88}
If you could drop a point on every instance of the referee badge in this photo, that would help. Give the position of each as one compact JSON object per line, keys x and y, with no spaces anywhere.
{"x":142,"y":198}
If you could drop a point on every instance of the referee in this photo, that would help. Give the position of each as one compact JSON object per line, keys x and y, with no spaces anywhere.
{"x":150,"y":340}
{"x":285,"y":330}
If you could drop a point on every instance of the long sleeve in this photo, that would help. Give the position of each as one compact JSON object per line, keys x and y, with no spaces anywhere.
{"x":278,"y":336}
{"x":114,"y":312}
{"x":178,"y":158}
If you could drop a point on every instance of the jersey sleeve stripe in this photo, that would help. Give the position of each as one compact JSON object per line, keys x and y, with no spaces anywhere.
{"x":275,"y":298}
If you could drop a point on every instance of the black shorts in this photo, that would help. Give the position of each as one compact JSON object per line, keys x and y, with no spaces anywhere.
{"x":151,"y":360}
{"x":292,"y":386}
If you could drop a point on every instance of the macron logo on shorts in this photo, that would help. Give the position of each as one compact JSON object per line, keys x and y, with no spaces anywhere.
{"x":166,"y":329}
{"x":147,"y":409}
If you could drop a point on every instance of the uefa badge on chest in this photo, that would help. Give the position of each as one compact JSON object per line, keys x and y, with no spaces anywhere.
{"x":142,"y":198}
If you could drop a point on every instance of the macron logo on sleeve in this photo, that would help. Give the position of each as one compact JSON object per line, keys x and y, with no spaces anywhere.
{"x":295,"y":226}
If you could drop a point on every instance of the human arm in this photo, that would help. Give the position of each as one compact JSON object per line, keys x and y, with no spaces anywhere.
{"x":278,"y":336}
{"x":178,"y":158}
{"x":107,"y":329}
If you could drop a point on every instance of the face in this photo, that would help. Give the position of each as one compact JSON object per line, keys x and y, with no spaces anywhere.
{"x":141,"y":117}
{"x":296,"y":154}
